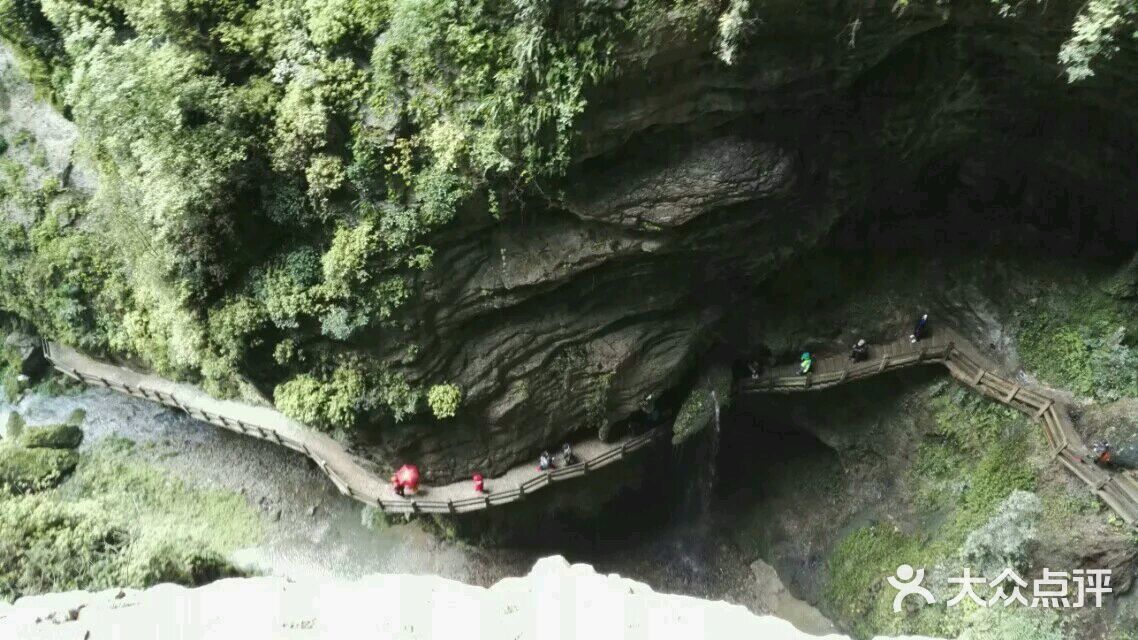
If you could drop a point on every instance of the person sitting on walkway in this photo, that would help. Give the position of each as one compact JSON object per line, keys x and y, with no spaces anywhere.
{"x":544,"y":461}
{"x":567,"y":457}
{"x":1103,"y":454}
{"x":806,"y":364}
{"x":921,"y":329}
{"x":860,"y":351}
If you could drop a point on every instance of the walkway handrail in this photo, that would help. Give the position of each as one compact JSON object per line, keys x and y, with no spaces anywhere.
{"x":341,"y":467}
{"x":1117,"y":489}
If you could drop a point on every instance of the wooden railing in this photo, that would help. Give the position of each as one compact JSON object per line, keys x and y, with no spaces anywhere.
{"x":1118,"y":489}
{"x":351,"y":479}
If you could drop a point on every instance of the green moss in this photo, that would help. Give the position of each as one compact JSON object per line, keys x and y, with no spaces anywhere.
{"x":59,"y":436}
{"x":159,"y":505}
{"x":28,"y":470}
{"x":856,"y":573}
{"x":699,"y":407}
{"x":974,"y":455}
{"x":1076,"y":337}
{"x":118,"y":522}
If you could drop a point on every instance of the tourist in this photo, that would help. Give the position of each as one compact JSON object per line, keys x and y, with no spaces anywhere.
{"x":544,"y":461}
{"x":755,"y":368}
{"x":479,"y":487}
{"x":407,"y":477}
{"x":807,"y":363}
{"x":921,"y":329}
{"x":860,"y":351}
{"x":1103,"y":453}
{"x":567,"y":456}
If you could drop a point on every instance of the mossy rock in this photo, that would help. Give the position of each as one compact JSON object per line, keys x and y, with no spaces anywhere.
{"x":186,"y":562}
{"x":14,"y":428}
{"x":29,"y":470}
{"x":699,"y":408}
{"x":56,"y":436}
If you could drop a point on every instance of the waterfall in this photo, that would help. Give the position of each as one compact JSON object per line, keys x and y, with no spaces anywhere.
{"x":712,"y":456}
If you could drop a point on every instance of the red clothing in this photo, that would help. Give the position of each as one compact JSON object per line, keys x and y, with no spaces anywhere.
{"x":478,"y":484}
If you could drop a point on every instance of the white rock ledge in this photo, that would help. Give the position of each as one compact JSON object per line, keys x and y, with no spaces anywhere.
{"x":555,"y":601}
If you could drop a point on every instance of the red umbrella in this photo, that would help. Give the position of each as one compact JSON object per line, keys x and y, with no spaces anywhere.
{"x":407,"y":477}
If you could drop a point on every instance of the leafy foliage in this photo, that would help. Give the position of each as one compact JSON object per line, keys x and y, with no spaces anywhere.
{"x":444,"y":400}
{"x":272,"y":173}
{"x":1093,"y":35}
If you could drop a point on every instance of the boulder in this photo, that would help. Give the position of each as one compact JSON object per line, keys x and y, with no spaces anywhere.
{"x":25,"y":352}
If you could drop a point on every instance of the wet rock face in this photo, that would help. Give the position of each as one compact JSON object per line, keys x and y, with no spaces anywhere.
{"x":672,"y":191}
{"x":695,"y":182}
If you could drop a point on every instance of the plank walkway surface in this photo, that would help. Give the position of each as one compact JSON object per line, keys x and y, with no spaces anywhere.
{"x":353,"y":476}
{"x":1118,"y":489}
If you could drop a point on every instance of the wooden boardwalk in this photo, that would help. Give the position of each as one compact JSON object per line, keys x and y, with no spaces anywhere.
{"x":1118,"y":489}
{"x":352,"y":475}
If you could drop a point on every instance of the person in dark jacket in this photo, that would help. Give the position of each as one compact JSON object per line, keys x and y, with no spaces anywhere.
{"x":567,"y":457}
{"x":860,"y":351}
{"x":544,"y":461}
{"x":921,"y":329}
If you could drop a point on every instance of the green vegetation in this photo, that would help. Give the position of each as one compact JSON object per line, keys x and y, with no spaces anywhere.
{"x":973,"y":477}
{"x":1007,"y":539}
{"x":1080,"y":339}
{"x":444,"y":400}
{"x":115,"y":522}
{"x":28,"y":470}
{"x":699,"y":407}
{"x":272,"y":173}
{"x":56,"y":436}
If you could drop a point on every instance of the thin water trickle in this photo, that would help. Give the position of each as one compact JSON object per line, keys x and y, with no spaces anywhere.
{"x":712,"y":457}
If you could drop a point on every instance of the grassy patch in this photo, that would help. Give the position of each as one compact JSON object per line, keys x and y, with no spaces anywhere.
{"x":118,"y":522}
{"x":159,"y":505}
{"x":857,"y":571}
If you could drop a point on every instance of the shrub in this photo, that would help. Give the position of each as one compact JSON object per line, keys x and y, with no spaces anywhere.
{"x":50,"y":546}
{"x":14,"y":428}
{"x":27,"y":470}
{"x":324,"y":403}
{"x":1008,"y":537}
{"x":57,"y":436}
{"x":444,"y":400}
